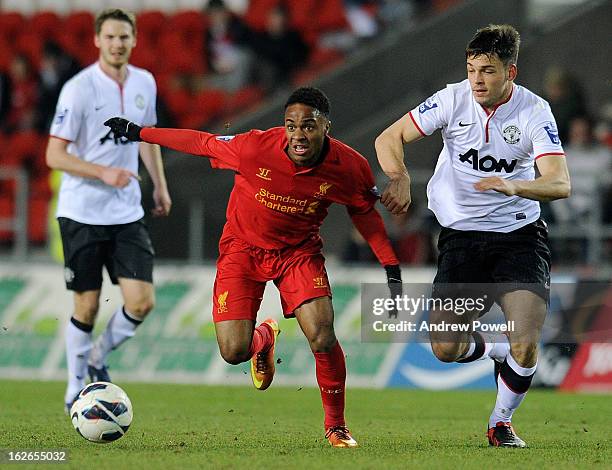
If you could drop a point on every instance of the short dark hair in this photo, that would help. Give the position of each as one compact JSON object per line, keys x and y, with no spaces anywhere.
{"x":312,"y":97}
{"x":115,"y":14}
{"x":502,"y":40}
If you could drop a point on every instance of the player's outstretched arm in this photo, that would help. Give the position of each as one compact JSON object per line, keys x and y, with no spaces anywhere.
{"x":554,"y":182}
{"x":390,"y":153}
{"x":181,"y":140}
{"x":58,"y":158}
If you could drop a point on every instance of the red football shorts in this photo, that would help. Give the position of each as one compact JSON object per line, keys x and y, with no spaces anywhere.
{"x":243,"y":270}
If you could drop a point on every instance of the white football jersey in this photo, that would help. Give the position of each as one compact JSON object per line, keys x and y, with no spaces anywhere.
{"x":477,"y":145}
{"x":85,"y":102}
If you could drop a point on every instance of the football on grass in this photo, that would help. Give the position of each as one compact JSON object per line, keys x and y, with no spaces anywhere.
{"x":102,"y":412}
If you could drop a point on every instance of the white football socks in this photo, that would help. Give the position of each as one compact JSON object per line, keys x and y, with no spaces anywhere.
{"x":121,"y":327}
{"x":78,"y":347}
{"x":509,"y":400}
{"x":496,"y":346}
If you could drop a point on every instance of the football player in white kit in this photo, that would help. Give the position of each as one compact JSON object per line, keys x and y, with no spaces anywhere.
{"x":485,"y":194}
{"x":99,"y":208}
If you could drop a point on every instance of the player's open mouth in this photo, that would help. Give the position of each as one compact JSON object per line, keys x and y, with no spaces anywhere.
{"x":300,"y":149}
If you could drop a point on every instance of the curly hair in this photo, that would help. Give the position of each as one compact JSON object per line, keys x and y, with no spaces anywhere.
{"x":312,"y":97}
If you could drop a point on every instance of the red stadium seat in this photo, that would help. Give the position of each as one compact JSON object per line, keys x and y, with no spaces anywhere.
{"x":210,"y":104}
{"x":301,"y":13}
{"x":45,"y":24}
{"x":189,"y":23}
{"x":179,"y":102}
{"x":26,"y":148}
{"x":38,"y":219}
{"x":39,"y":186}
{"x":331,"y":16}
{"x":257,"y":13}
{"x":80,"y":23}
{"x":6,"y":55}
{"x":7,"y":210}
{"x":77,"y":37}
{"x":30,"y":44}
{"x":144,"y":55}
{"x":181,"y":57}
{"x":150,"y":24}
{"x":11,"y":24}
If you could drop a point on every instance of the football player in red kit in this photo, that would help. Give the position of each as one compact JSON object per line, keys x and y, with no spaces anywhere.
{"x":286,"y":179}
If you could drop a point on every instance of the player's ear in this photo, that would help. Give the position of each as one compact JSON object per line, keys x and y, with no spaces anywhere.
{"x":327,"y":127}
{"x":97,"y":40}
{"x":512,"y":72}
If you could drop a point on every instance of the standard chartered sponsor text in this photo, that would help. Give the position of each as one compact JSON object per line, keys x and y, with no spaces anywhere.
{"x":281,"y":203}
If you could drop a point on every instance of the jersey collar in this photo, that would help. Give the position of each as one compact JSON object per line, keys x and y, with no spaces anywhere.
{"x":107,"y":77}
{"x":501,"y":109}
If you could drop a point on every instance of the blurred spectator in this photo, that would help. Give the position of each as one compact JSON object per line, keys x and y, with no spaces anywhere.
{"x":565,"y":97}
{"x":24,"y":95}
{"x":238,"y":7}
{"x":226,"y":51}
{"x":361,"y":15}
{"x":588,"y":162}
{"x":280,"y":50}
{"x":56,"y":68}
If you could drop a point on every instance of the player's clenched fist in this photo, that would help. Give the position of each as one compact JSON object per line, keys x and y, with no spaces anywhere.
{"x":396,"y":196}
{"x":124,"y":128}
{"x":117,"y":177}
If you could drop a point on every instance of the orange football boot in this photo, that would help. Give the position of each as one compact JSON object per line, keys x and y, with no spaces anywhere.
{"x":262,"y":363}
{"x":339,"y":436}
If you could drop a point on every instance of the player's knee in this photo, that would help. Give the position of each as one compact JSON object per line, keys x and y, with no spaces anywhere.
{"x":140,"y":308}
{"x":234,"y":354}
{"x":445,"y":352}
{"x":525,"y":354}
{"x":86,"y":312}
{"x":323,"y":341}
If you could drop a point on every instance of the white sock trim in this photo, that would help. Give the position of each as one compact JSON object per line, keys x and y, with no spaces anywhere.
{"x":520,"y":370}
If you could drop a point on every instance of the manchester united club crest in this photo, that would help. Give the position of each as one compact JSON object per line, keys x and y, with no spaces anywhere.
{"x":512,"y":134}
{"x":139,"y":101}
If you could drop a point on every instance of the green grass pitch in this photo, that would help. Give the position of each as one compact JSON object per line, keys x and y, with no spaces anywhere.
{"x":188,"y":426}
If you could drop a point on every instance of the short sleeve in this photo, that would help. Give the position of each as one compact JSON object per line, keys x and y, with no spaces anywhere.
{"x":366,"y":193}
{"x":432,"y":114}
{"x":68,"y":113}
{"x":150,"y":118}
{"x":544,"y":134}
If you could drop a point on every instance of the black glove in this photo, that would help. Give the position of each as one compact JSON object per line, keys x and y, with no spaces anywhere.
{"x":394,"y":280}
{"x":124,"y":128}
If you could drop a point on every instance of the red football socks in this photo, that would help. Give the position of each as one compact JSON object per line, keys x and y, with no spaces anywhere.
{"x":331,"y":376}
{"x":263,"y":337}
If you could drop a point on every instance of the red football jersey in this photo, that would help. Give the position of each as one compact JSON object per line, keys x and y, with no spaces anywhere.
{"x":275,"y":203}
